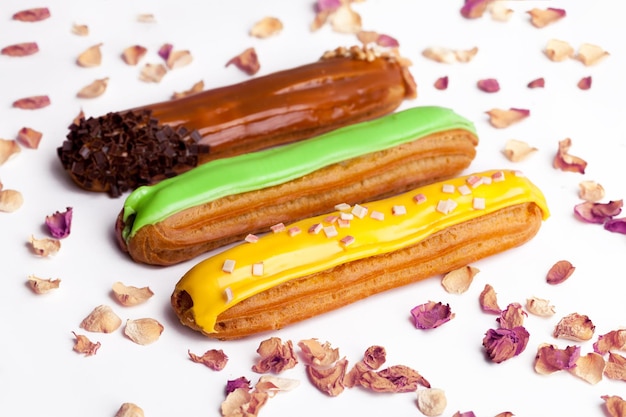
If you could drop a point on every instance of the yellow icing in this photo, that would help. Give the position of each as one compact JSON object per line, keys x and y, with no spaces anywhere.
{"x":286,"y":256}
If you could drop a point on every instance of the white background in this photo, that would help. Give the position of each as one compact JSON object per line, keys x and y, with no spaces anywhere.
{"x":40,"y":375}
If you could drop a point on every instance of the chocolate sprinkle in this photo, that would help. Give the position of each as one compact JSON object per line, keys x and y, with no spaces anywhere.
{"x":119,"y":152}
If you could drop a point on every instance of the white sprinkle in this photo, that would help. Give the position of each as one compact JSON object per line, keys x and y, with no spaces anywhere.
{"x":497,"y":176}
{"x":316,"y":228}
{"x":478,"y":203}
{"x":464,"y":190}
{"x":474,"y":181}
{"x":446,"y":206}
{"x":398,"y":210}
{"x":419,"y":198}
{"x":257,"y":269}
{"x":278,"y":228}
{"x":359,"y":211}
{"x":342,"y":223}
{"x":342,"y":207}
{"x":229,"y":294}
{"x":487,"y":180}
{"x":294,"y":231}
{"x":447,"y":188}
{"x":229,"y":266}
{"x":519,"y":174}
{"x":252,"y":238}
{"x":330,"y":231}
{"x":347,"y":241}
{"x":377,"y":215}
{"x":346,"y":216}
{"x":331,"y":219}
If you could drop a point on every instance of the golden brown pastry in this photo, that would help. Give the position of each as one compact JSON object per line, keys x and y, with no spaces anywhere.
{"x":222,"y":201}
{"x":120,"y":151}
{"x":320,"y":264}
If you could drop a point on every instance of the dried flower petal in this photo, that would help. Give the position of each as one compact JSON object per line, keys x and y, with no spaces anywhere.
{"x":20,"y":49}
{"x":243,"y":402}
{"x":85,"y":346}
{"x":345,"y":20}
{"x":371,"y":37}
{"x":543,"y":17}
{"x":93,"y":90}
{"x":441,"y":83}
{"x":503,"y":344}
{"x":272,"y":384}
{"x":60,"y":223}
{"x":590,"y":54}
{"x":36,"y":14}
{"x":431,"y":315}
{"x":133,"y":54}
{"x":557,"y":50}
{"x":10,"y":200}
{"x":559,"y":272}
{"x":32,"y":103}
{"x":146,"y":18}
{"x":540,"y":307}
{"x":473,"y":9}
{"x":247,"y":61}
{"x":616,"y":225}
{"x":499,"y":11}
{"x":42,"y":286}
{"x":129,"y":295}
{"x":165,"y":50}
{"x":488,"y":300}
{"x":28,"y":137}
{"x":584,"y":83}
{"x":517,"y":150}
{"x":449,"y":56}
{"x":101,"y":320}
{"x":129,"y":410}
{"x":90,"y":57}
{"x":576,"y":327}
{"x":566,"y":162}
{"x":613,"y":340}
{"x":459,"y":280}
{"x":550,"y":359}
{"x":374,"y":357}
{"x":276,"y":356}
{"x":616,"y":367}
{"x":589,"y":368}
{"x":318,"y":354}
{"x":512,"y":316}
{"x":615,"y":405}
{"x":214,"y":359}
{"x":590,"y":191}
{"x":143,"y":331}
{"x":500,"y":118}
{"x":328,"y":380}
{"x":397,"y":378}
{"x":488,"y":85}
{"x":152,"y":73}
{"x":42,"y":247}
{"x":537,"y":83}
{"x":431,"y":401}
{"x":233,"y":384}
{"x":598,"y":213}
{"x":266,"y":27}
{"x":80,"y":30}
{"x":179,"y":59}
{"x":196,"y":88}
{"x":8,"y":149}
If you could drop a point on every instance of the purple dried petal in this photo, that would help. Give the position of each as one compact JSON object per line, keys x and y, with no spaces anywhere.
{"x":59,"y":224}
{"x":503,"y":344}
{"x":431,"y":315}
{"x":165,"y":50}
{"x":489,"y":85}
{"x":387,"y":41}
{"x":473,"y":9}
{"x":560,"y":359}
{"x":234,"y":384}
{"x":598,"y":213}
{"x":616,"y":225}
{"x":327,"y":5}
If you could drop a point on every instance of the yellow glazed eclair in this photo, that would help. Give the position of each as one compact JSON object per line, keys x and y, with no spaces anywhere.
{"x":322,"y":263}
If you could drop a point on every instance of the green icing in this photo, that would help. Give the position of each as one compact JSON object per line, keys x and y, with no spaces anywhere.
{"x":257,"y":170}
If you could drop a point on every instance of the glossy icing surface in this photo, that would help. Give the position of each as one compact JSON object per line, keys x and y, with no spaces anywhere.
{"x":295,"y":251}
{"x":257,"y":170}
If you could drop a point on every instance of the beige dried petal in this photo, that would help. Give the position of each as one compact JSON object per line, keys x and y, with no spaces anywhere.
{"x":499,"y":11}
{"x":557,"y":50}
{"x":273,"y":384}
{"x":266,"y":27}
{"x":196,"y":88}
{"x":465,"y":55}
{"x":345,"y":20}
{"x":80,"y":30}
{"x":243,"y":403}
{"x":488,"y":300}
{"x":500,"y":118}
{"x":179,"y":59}
{"x":431,"y":401}
{"x":459,"y":280}
{"x":93,"y":90}
{"x":90,"y":57}
{"x":328,"y":380}
{"x":615,"y":405}
{"x":214,"y":359}
{"x":129,"y":410}
{"x":320,"y":19}
{"x":613,"y":340}
{"x":616,"y":367}
{"x":564,"y":161}
{"x":559,"y":272}
{"x":512,"y":316}
{"x":590,"y":191}
{"x":42,"y":286}
{"x":247,"y":61}
{"x":85,"y":346}
{"x":540,"y":18}
{"x":129,"y":295}
{"x":45,"y":246}
{"x":101,"y":320}
{"x":8,"y":149}
{"x":318,"y":354}
{"x":590,"y":54}
{"x":589,"y":367}
{"x":517,"y":150}
{"x":153,"y":73}
{"x":449,"y":56}
{"x":146,"y":18}
{"x":540,"y":307}
{"x":133,"y":54}
{"x":29,"y":137}
{"x":577,"y":327}
{"x":143,"y":331}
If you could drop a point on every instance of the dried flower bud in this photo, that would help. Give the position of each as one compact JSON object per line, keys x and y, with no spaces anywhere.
{"x":143,"y":331}
{"x":101,"y":320}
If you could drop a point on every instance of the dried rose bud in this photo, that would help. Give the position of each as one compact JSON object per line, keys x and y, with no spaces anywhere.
{"x":459,"y":280}
{"x":247,"y":61}
{"x":576,"y":327}
{"x":143,"y":331}
{"x":28,"y":137}
{"x":213,"y":359}
{"x":266,"y":27}
{"x":129,"y":295}
{"x":441,"y":83}
{"x":488,"y":85}
{"x":598,"y":213}
{"x":345,"y":20}
{"x":133,"y":54}
{"x":431,"y":315}
{"x":32,"y":103}
{"x":500,"y":118}
{"x":550,"y":359}
{"x":590,"y":191}
{"x":616,"y":367}
{"x":584,"y":83}
{"x":512,"y":316}
{"x":90,"y":57}
{"x":275,"y":356}
{"x":589,"y":368}
{"x":20,"y":49}
{"x":590,"y":54}
{"x":488,"y":300}
{"x":8,"y":149}
{"x":233,"y":384}
{"x":543,"y":17}
{"x":44,"y":247}
{"x":557,"y":50}
{"x":517,"y":150}
{"x":85,"y":346}
{"x":613,"y":340}
{"x":80,"y":30}
{"x":129,"y":410}
{"x":431,"y":401}
{"x":537,"y":83}
{"x":503,"y":344}
{"x":540,"y":307}
{"x":102,"y":319}
{"x":615,"y":405}
{"x":566,"y":162}
{"x":36,"y":14}
{"x":559,"y":272}
{"x":153,"y":73}
{"x":179,"y":59}
{"x":196,"y":88}
{"x":42,"y":286}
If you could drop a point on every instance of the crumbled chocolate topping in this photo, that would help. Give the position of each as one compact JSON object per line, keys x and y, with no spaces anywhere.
{"x":119,"y":152}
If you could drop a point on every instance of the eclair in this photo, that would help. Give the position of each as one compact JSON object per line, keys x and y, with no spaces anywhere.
{"x":120,"y":151}
{"x":322,"y":263}
{"x":225,"y":200}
